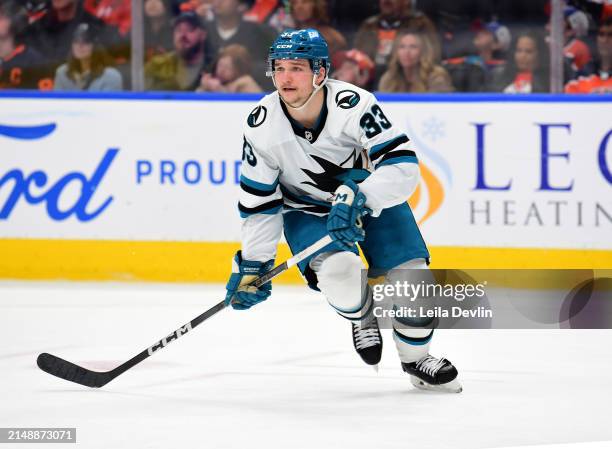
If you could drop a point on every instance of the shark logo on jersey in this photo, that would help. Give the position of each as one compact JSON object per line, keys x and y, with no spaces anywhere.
{"x":333,"y":176}
{"x":308,"y":135}
{"x":257,"y":116}
{"x":347,"y":99}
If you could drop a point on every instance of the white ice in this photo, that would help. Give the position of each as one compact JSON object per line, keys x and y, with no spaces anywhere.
{"x":284,"y":375}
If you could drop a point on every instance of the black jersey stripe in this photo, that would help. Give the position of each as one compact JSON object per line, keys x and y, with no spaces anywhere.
{"x":383,"y":148}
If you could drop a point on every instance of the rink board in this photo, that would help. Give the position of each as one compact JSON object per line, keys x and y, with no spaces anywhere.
{"x":145,"y":187}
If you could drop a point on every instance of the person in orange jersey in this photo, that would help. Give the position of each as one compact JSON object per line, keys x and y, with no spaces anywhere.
{"x":600,"y":81}
{"x":21,"y":67}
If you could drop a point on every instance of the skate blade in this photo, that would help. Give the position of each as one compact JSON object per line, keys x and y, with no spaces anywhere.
{"x":375,"y":367}
{"x":450,"y":387}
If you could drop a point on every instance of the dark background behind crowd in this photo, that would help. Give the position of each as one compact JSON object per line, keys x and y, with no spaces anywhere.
{"x":381,"y":45}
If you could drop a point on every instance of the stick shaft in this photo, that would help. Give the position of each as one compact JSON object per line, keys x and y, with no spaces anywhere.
{"x":95,"y":379}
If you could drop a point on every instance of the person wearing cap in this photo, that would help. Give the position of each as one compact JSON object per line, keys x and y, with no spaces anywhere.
{"x":471,"y":73}
{"x":354,"y":67}
{"x":599,"y":81}
{"x":88,"y":67}
{"x":182,"y":68}
{"x":52,"y":34}
{"x":575,"y":50}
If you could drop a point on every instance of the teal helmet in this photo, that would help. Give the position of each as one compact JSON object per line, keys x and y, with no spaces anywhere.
{"x":300,"y":44}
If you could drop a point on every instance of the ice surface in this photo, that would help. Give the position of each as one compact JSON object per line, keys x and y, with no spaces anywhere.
{"x":284,"y":375}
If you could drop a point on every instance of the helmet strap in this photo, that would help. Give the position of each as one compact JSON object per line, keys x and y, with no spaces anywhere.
{"x":312,"y":94}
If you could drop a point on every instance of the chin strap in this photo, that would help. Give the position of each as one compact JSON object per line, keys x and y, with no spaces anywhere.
{"x":316,"y":89}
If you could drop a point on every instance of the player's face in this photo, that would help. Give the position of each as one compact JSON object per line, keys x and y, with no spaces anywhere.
{"x":604,"y":41}
{"x":293,"y":78}
{"x":409,"y":51}
{"x":526,"y":54}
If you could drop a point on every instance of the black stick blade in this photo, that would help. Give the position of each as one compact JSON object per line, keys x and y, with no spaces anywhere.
{"x":69,"y":371}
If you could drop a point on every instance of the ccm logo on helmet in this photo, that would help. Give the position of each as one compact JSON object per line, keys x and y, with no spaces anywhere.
{"x":347,"y":99}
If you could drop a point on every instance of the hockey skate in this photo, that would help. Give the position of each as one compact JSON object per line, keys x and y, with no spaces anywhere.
{"x":367,"y":339}
{"x":430,"y":373}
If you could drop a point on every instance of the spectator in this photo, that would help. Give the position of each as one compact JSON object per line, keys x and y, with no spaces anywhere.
{"x":491,"y":42}
{"x":472,"y":73}
{"x":377,"y":33}
{"x":230,"y":28}
{"x":575,"y":50}
{"x":182,"y":68}
{"x":88,"y":67}
{"x":52,"y":34}
{"x":157,"y":28}
{"x":413,"y":67}
{"x":600,"y":81}
{"x":313,"y":14}
{"x":528,"y":69}
{"x":231,"y":72}
{"x":455,"y":22}
{"x":354,"y":67}
{"x":21,"y":67}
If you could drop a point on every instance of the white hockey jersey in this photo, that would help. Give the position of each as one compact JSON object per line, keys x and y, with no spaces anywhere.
{"x":287,"y":167}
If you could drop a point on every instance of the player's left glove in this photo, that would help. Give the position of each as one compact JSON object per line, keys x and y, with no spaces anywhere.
{"x":240,"y":295}
{"x":344,"y":221}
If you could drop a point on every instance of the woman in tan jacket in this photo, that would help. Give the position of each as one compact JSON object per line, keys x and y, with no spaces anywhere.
{"x":413,"y":68}
{"x":231,"y":73}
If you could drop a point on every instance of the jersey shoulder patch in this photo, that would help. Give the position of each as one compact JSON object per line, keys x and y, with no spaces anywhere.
{"x":257,"y":116}
{"x":347,"y":99}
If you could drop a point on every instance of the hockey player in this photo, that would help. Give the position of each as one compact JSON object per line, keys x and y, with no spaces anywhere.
{"x":320,"y":156}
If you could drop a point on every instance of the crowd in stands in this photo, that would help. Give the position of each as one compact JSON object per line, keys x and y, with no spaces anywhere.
{"x":380,"y":45}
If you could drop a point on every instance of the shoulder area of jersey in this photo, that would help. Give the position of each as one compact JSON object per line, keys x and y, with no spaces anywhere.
{"x":261,"y":113}
{"x":347,"y":96}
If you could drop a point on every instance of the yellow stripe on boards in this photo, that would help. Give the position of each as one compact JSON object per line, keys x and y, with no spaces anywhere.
{"x":164,"y":261}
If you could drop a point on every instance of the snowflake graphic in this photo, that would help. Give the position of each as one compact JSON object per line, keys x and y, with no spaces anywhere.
{"x":433,"y":129}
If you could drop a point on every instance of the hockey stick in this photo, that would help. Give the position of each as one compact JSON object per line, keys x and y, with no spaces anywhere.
{"x":69,"y":371}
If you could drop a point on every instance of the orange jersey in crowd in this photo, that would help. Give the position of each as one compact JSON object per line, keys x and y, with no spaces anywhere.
{"x":594,"y":84}
{"x":22,"y":70}
{"x":116,"y":13}
{"x":578,"y":52}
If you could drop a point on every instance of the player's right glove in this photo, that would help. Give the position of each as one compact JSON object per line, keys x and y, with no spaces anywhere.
{"x":344,"y":221}
{"x":240,"y":295}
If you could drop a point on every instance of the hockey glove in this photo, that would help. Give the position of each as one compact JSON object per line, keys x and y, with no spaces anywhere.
{"x":344,"y":221}
{"x":240,"y":295}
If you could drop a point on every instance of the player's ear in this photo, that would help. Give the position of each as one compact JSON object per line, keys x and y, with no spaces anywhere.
{"x":321,"y":75}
